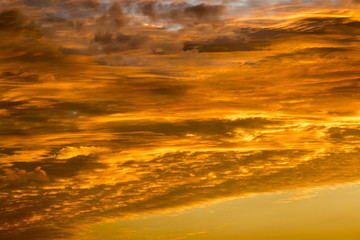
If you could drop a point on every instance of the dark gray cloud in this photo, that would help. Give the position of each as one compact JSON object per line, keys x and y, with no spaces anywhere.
{"x":203,"y":11}
{"x":111,"y":43}
{"x":114,"y":16}
{"x":149,"y":9}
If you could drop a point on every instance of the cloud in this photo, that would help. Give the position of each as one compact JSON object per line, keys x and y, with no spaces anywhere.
{"x":45,"y":232}
{"x":63,"y":168}
{"x":149,"y":9}
{"x":114,"y":16}
{"x":259,"y":39}
{"x":22,"y":41}
{"x":110,"y":109}
{"x":18,"y":175}
{"x":344,"y":134}
{"x":208,"y":127}
{"x":70,"y":152}
{"x":12,"y":19}
{"x":220,"y":44}
{"x":203,"y":11}
{"x":176,"y":178}
{"x":121,"y":42}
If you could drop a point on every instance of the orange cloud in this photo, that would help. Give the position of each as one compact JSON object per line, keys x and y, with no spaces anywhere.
{"x":109,"y":110}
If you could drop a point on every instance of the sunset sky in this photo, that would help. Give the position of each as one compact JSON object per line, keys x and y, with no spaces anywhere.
{"x":179,"y":120}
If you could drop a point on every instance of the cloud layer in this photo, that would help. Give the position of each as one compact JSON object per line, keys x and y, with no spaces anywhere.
{"x":110,"y":109}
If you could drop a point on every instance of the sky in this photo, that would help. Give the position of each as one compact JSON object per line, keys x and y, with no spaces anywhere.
{"x":140,"y":119}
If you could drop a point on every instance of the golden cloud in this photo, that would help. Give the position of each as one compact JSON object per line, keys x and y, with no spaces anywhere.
{"x":109,"y":110}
